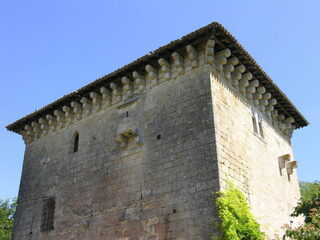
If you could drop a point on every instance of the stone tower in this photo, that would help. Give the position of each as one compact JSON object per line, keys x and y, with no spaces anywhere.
{"x":137,"y":153}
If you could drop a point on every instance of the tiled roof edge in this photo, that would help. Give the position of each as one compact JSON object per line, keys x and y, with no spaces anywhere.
{"x":212,"y":28}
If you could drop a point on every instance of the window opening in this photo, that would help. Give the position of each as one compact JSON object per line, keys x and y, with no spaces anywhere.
{"x":76,"y":143}
{"x":257,"y":124}
{"x":47,"y":220}
{"x":254,"y":123}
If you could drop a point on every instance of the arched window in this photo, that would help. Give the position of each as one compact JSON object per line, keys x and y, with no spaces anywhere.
{"x":76,"y":142}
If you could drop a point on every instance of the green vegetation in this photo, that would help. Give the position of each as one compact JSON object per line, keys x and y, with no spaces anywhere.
{"x":309,"y":207}
{"x":7,"y":209}
{"x":237,"y":221}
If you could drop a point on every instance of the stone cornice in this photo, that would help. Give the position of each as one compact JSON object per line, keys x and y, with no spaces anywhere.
{"x":208,"y":45}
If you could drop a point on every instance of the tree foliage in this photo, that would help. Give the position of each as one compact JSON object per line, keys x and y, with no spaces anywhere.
{"x":310,"y":195}
{"x":7,"y":209}
{"x":309,"y":207}
{"x":237,"y":221}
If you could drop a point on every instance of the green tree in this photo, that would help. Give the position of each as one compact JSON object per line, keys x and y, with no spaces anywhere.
{"x":7,"y":209}
{"x":237,"y":221}
{"x":309,"y":207}
{"x":310,"y":195}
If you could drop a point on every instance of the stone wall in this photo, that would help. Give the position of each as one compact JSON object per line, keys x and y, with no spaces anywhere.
{"x":251,"y":160}
{"x":156,"y":186}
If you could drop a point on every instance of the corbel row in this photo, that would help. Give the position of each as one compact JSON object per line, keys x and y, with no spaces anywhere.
{"x":238,"y":76}
{"x":113,"y":93}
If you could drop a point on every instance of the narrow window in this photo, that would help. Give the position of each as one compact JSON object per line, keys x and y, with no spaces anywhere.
{"x":47,"y":220}
{"x":254,"y":123}
{"x":260,"y":129}
{"x":76,"y":143}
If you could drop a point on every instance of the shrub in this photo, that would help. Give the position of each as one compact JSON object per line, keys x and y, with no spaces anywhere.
{"x":237,"y":221}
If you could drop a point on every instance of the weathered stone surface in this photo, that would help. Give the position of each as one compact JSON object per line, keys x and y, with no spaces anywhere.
{"x":161,"y":189}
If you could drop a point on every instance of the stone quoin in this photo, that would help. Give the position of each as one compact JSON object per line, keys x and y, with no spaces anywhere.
{"x":137,"y":154}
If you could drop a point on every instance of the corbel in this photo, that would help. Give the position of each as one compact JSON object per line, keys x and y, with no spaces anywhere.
{"x":252,"y":88}
{"x":124,"y":136}
{"x":258,"y":95}
{"x":138,"y":136}
{"x":60,"y":118}
{"x":77,"y":110}
{"x":270,"y":107}
{"x":68,"y":114}
{"x":209,"y":52}
{"x":151,"y":75}
{"x":116,"y":93}
{"x":244,"y":82}
{"x":221,"y":58}
{"x":122,"y":140}
{"x":230,"y":67}
{"x":236,"y":75}
{"x":271,"y":104}
{"x":280,"y":119}
{"x":44,"y":126}
{"x":127,"y":88}
{"x":274,"y":115}
{"x":51,"y":122}
{"x":86,"y":105}
{"x":282,"y":126}
{"x":192,"y":56}
{"x":264,"y":101}
{"x":25,"y":137}
{"x":177,"y":63}
{"x":36,"y":129}
{"x":283,"y":159}
{"x":164,"y":69}
{"x":139,"y":82}
{"x":29,"y":132}
{"x":288,"y":121}
{"x":290,"y":130}
{"x":290,"y":166}
{"x":96,"y":101}
{"x":106,"y":97}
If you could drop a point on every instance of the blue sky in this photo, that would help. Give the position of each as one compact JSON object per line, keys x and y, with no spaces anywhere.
{"x":50,"y":48}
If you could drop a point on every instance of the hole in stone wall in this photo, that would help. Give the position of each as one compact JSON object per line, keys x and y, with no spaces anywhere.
{"x":174,"y":210}
{"x":127,"y":114}
{"x":158,"y":136}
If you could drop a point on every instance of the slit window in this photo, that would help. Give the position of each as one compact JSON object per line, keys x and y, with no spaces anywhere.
{"x":254,"y":123}
{"x":47,"y":220}
{"x":76,"y":143}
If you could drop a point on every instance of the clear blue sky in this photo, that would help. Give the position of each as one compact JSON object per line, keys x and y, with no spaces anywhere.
{"x":50,"y":48}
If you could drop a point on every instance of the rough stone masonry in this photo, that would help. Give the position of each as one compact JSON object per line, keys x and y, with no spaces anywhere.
{"x":137,"y":154}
